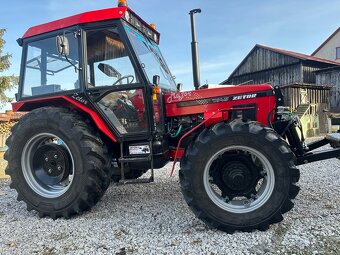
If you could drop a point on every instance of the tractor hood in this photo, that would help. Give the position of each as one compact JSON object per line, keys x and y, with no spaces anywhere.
{"x":213,"y":99}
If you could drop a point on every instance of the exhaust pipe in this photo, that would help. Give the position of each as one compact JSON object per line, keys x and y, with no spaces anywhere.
{"x":194,"y":49}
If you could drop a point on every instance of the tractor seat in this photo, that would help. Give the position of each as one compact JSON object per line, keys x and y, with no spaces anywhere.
{"x":47,"y":89}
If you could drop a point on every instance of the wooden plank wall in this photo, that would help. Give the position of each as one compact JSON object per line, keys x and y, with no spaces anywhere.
{"x":279,"y":76}
{"x":263,"y":59}
{"x":331,"y":78}
{"x":293,"y":97}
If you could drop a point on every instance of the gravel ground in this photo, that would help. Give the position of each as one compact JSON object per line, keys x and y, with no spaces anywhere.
{"x":154,"y":219}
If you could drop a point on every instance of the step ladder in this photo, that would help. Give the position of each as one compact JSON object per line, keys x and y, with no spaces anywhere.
{"x":302,"y":109}
{"x":122,"y":160}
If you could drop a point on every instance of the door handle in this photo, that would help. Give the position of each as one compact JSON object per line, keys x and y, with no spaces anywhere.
{"x":93,"y":93}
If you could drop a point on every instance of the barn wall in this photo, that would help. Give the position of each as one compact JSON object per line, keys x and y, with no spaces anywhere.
{"x":309,"y":76}
{"x":331,"y":78}
{"x":262,"y":59}
{"x":279,"y":76}
{"x":295,"y":96}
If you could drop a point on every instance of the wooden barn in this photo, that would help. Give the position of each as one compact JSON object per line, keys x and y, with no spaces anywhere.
{"x":296,"y":74}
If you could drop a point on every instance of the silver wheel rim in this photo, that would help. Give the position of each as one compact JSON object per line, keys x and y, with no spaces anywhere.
{"x":265,"y":187}
{"x":44,"y":190}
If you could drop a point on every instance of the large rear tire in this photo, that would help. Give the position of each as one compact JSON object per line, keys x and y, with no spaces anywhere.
{"x":58,"y":164}
{"x":239,"y":176}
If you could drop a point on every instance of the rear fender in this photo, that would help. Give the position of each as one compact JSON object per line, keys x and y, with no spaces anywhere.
{"x":68,"y":102}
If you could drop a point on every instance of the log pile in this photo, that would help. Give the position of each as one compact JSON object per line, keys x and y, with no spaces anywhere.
{"x":8,"y":120}
{"x":5,"y":127}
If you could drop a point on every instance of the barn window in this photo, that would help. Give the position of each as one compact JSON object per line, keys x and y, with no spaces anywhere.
{"x":337,"y":52}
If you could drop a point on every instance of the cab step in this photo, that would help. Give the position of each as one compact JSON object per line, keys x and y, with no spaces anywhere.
{"x":136,"y":159}
{"x":135,"y":181}
{"x":123,"y":160}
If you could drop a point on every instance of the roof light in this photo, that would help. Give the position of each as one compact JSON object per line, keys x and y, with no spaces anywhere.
{"x":153,"y":26}
{"x":122,"y":3}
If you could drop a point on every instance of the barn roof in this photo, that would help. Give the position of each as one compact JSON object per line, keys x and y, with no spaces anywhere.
{"x":299,"y":55}
{"x":296,"y":55}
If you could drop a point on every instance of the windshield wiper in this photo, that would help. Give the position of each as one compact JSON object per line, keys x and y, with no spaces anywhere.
{"x":159,"y":58}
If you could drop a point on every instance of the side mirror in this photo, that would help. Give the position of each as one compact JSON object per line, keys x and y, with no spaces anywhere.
{"x":63,"y":46}
{"x":179,"y":87}
{"x":109,"y":70}
{"x":156,"y":79}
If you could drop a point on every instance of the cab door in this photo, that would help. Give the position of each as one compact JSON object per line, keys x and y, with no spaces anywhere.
{"x":114,"y":83}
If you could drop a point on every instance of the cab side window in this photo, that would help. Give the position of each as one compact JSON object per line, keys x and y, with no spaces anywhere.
{"x":108,"y":62}
{"x":47,"y":71}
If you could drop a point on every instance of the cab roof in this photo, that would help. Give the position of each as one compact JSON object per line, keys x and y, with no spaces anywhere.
{"x":86,"y":17}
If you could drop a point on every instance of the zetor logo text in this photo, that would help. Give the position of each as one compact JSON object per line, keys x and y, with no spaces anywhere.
{"x":244,"y":97}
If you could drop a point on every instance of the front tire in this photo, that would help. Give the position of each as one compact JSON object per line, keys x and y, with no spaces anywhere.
{"x":239,"y":176}
{"x":58,"y":164}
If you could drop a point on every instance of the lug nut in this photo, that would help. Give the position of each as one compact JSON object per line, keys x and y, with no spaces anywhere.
{"x":263,"y":173}
{"x":46,"y":159}
{"x":49,"y":170}
{"x":254,"y":196}
{"x":246,"y":203}
{"x":59,"y":168}
{"x":55,"y":156}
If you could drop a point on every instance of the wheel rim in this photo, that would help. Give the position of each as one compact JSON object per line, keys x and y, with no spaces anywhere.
{"x":239,"y":179}
{"x":47,"y":165}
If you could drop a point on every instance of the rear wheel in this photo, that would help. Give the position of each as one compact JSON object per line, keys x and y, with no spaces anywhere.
{"x":58,"y":164}
{"x":239,"y":176}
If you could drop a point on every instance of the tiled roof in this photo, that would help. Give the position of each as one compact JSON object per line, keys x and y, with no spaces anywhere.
{"x":299,"y":55}
{"x":288,"y":53}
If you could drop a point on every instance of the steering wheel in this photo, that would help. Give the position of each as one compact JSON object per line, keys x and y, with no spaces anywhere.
{"x":127,"y":77}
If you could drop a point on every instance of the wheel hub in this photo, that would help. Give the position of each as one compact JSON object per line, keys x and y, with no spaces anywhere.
{"x":236,"y":175}
{"x":51,"y":164}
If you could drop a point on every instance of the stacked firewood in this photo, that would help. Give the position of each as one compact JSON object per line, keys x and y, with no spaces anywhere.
{"x":8,"y":120}
{"x":5,"y":127}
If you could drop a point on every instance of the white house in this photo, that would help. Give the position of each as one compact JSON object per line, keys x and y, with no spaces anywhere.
{"x":330,"y":49}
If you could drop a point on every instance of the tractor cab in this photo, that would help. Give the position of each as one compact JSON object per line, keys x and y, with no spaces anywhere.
{"x":108,"y":60}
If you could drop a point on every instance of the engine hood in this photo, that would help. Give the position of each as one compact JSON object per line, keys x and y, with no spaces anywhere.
{"x":210,"y":99}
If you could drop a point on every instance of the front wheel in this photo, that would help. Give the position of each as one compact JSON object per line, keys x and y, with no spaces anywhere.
{"x":239,"y":176}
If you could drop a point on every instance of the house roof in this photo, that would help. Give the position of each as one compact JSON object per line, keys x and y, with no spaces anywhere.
{"x":294,"y":54}
{"x":326,"y":41}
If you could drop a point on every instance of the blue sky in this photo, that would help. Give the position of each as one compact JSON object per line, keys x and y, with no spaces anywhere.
{"x":227,"y":29}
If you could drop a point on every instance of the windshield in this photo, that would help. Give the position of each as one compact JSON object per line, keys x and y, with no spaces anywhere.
{"x":151,"y":58}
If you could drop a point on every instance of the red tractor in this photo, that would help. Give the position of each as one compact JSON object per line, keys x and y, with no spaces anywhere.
{"x":103,"y":107}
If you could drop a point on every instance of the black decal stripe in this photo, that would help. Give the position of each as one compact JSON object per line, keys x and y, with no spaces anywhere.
{"x":220,"y":99}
